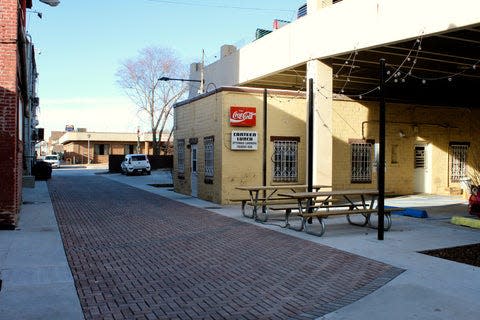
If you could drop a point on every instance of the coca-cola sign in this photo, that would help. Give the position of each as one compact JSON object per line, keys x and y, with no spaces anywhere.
{"x":243,"y":116}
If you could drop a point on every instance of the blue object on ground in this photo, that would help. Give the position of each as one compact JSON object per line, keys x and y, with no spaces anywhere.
{"x":416,"y":213}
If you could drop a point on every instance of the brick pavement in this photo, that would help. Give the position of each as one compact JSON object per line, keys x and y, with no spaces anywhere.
{"x":137,"y":255}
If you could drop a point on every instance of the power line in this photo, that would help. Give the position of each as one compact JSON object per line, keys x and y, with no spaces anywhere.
{"x":220,"y":6}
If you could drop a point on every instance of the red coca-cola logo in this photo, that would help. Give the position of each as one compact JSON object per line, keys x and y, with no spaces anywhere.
{"x":243,"y":116}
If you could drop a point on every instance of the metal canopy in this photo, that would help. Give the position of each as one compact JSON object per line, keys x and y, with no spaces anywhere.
{"x":440,"y":69}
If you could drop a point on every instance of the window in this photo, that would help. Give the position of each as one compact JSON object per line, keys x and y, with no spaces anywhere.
{"x":458,"y":161}
{"x":361,"y":161}
{"x":285,"y":159}
{"x":102,"y":149}
{"x":209,"y":156}
{"x":129,"y":149}
{"x":419,"y":157}
{"x":181,"y":156}
{"x":394,"y":155}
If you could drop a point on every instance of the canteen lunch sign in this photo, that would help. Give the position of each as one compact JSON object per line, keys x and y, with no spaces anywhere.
{"x":243,"y":116}
{"x":244,"y":140}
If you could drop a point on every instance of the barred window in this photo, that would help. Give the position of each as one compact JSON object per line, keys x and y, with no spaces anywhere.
{"x":285,"y":161}
{"x":458,"y":161}
{"x":361,"y":162}
{"x":208,"y":143}
{"x":181,"y":156}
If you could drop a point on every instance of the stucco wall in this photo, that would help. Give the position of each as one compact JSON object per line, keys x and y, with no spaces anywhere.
{"x":435,"y":126}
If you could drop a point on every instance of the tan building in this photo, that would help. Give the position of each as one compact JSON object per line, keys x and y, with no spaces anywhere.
{"x":425,"y":151}
{"x":95,"y":147}
{"x":430,"y":71}
{"x":214,"y":155}
{"x":54,"y":146}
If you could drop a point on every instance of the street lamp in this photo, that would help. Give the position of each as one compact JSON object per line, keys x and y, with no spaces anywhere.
{"x":51,"y":3}
{"x":88,"y":149}
{"x":178,"y":79}
{"x":202,"y":82}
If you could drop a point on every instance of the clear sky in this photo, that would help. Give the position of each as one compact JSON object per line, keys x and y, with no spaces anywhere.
{"x":80,"y":44}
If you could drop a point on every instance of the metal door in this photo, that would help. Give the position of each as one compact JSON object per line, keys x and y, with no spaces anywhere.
{"x":194,"y":170}
{"x":422,"y":169}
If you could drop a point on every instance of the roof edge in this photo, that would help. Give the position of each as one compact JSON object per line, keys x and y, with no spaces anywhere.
{"x":291,"y":93}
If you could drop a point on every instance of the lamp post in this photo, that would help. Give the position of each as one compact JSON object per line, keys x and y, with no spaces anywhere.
{"x":138,"y":139}
{"x":51,"y":3}
{"x":184,"y":80}
{"x":88,"y":148}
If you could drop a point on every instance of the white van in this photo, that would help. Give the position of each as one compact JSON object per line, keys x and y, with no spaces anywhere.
{"x":53,"y":159}
{"x":135,"y":163}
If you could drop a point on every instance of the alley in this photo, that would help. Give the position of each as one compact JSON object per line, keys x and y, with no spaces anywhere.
{"x":134,"y":254}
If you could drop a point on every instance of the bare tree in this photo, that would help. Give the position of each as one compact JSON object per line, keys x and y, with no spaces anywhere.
{"x":139,"y":77}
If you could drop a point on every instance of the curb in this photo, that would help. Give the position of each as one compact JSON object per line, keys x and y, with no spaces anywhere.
{"x":468,"y":222}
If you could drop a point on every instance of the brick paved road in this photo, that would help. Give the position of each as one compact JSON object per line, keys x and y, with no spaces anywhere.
{"x":136,"y":255}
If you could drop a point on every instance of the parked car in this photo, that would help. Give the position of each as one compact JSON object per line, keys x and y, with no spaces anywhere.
{"x":135,"y":163}
{"x":53,"y":159}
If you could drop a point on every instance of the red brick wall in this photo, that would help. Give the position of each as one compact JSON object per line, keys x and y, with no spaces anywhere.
{"x":10,"y":146}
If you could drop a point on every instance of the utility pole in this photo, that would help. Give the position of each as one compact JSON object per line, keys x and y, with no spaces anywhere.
{"x":138,"y":139}
{"x":88,"y":149}
{"x":202,"y":74}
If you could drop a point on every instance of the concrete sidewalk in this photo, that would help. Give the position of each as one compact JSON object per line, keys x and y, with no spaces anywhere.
{"x":430,"y":288}
{"x":36,"y":279}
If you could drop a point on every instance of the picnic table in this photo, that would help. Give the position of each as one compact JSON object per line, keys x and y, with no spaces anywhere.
{"x":322,"y":204}
{"x":269,"y":197}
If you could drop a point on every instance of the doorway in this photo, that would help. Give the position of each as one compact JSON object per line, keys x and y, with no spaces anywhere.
{"x":194,"y":170}
{"x":422,"y":167}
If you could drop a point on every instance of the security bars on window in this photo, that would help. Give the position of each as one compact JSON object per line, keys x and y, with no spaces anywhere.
{"x":361,"y":162}
{"x":208,"y":143}
{"x":181,"y":156}
{"x":285,"y":161}
{"x":458,"y":162}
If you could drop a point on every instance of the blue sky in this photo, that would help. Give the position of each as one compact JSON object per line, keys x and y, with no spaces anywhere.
{"x":80,"y":45}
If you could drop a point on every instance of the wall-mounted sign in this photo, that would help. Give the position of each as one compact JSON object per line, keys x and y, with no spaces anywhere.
{"x":243,"y":116}
{"x":244,"y":140}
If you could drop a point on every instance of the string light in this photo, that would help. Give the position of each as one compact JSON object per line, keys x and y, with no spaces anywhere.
{"x":397,"y":75}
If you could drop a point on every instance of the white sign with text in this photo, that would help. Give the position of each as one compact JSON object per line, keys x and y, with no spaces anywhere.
{"x":244,"y":140}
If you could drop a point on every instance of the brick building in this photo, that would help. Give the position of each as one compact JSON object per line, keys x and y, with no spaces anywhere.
{"x":17,"y":73}
{"x":95,"y":147}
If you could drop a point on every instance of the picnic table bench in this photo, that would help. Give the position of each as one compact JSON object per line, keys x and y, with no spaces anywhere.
{"x":319,"y":205}
{"x":269,"y":198}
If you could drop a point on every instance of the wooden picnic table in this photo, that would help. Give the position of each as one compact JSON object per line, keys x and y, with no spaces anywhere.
{"x":270,"y":196}
{"x":322,"y":204}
